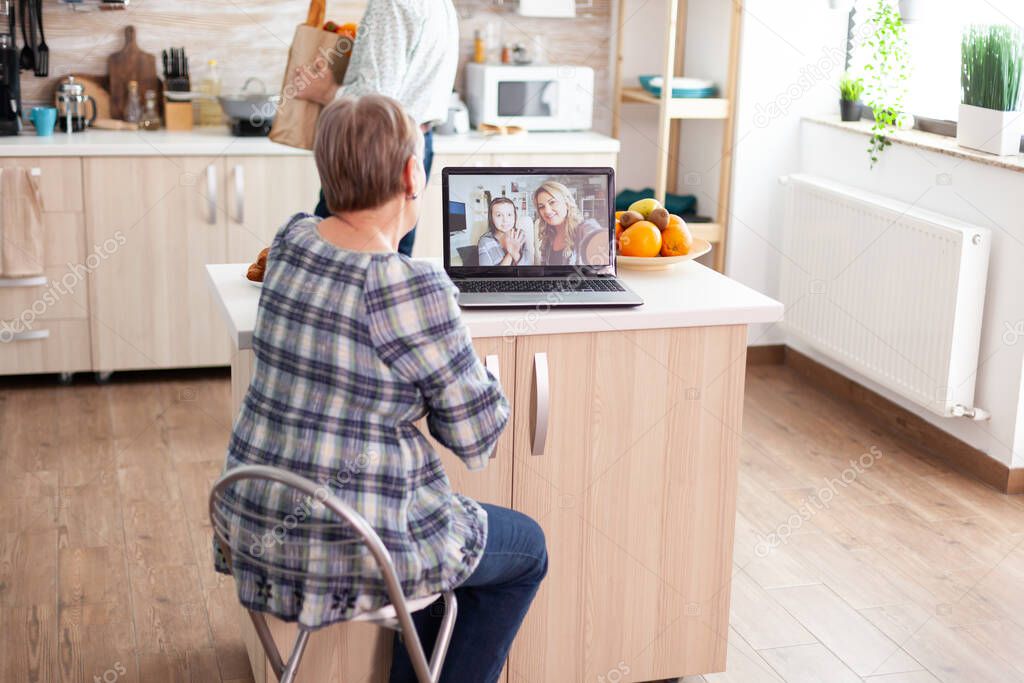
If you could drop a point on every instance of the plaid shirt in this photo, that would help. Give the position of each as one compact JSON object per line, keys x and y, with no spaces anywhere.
{"x":351,"y":349}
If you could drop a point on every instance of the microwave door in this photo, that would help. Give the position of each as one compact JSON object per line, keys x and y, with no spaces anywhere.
{"x":526,"y":102}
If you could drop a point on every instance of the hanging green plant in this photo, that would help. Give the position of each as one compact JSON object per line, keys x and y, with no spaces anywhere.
{"x":886,"y":74}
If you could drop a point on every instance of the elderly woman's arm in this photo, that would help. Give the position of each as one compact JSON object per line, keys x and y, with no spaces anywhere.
{"x":416,"y":328}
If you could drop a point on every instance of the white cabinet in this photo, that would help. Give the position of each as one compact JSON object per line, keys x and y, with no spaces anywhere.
{"x":163,"y":219}
{"x":44,"y":323}
{"x":262,"y":193}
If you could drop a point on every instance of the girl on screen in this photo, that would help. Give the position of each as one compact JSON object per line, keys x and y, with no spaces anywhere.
{"x":562,"y":230}
{"x":504,"y":244}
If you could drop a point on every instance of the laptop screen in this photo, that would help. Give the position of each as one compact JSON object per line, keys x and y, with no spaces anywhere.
{"x":510,"y":222}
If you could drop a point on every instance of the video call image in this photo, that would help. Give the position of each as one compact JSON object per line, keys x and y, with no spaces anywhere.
{"x":528,"y":220}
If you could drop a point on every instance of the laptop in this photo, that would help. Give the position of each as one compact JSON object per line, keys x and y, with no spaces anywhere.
{"x":526,"y":237}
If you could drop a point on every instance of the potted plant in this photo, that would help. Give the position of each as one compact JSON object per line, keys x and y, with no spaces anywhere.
{"x":990,"y":75}
{"x":886,"y":73}
{"x":850,"y":90}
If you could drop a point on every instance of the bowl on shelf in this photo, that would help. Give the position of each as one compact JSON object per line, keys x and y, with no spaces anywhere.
{"x":700,"y":247}
{"x":682,"y":87}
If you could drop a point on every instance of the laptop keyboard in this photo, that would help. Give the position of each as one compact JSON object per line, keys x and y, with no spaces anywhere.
{"x":540,"y":285}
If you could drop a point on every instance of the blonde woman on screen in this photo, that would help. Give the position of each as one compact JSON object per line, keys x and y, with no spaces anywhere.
{"x":561,"y":227}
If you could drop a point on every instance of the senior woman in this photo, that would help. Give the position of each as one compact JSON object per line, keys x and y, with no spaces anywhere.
{"x":562,"y":231}
{"x":354,"y":343}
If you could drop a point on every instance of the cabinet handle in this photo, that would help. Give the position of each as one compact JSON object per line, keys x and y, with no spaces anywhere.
{"x":539,"y":404}
{"x":27,"y":335}
{"x":211,"y":194}
{"x":239,"y":194}
{"x":34,"y":281}
{"x":493,"y":366}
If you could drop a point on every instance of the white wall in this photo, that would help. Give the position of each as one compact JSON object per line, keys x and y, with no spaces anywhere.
{"x":972,"y":192}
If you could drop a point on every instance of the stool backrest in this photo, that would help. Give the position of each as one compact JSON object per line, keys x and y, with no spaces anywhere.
{"x":283,"y":546}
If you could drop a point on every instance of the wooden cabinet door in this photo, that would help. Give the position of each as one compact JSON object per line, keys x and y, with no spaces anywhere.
{"x":156,"y":222}
{"x":263,"y":193}
{"x":635,"y":488}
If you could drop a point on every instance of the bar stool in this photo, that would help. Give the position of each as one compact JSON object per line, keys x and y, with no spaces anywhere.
{"x":396,"y":616}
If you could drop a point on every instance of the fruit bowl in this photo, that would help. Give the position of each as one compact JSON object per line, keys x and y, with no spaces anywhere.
{"x":699,"y":248}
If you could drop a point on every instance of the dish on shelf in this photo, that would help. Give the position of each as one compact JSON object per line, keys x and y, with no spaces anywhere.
{"x":699,"y":248}
{"x":682,"y":87}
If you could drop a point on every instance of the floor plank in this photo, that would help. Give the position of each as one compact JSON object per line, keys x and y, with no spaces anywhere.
{"x":105,"y":552}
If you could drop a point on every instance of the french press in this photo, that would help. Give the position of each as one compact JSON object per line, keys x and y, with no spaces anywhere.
{"x":71,"y":106}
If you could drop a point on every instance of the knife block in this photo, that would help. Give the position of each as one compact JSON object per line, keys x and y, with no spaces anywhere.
{"x":177,"y":115}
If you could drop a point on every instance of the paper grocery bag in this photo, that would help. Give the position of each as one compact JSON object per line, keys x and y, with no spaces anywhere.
{"x":312,"y":48}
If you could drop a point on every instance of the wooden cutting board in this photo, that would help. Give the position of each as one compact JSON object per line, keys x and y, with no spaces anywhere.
{"x":130,"y":64}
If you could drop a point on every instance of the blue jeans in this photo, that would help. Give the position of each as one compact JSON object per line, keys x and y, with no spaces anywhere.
{"x":405,"y":246}
{"x":491,"y":603}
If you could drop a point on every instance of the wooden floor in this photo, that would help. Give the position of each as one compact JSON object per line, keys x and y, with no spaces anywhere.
{"x":891,"y":569}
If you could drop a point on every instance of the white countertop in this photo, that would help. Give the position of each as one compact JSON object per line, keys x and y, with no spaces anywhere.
{"x":690,"y":295}
{"x":215,"y":141}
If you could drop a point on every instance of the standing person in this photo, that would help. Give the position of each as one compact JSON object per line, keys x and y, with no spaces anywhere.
{"x":407,"y":50}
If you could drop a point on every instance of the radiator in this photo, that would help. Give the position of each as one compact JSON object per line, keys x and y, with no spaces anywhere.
{"x":892,"y":292}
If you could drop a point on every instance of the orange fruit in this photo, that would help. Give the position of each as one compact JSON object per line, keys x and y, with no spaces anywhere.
{"x":674,"y":220}
{"x":618,"y":228}
{"x":676,"y":240}
{"x":640,"y":239}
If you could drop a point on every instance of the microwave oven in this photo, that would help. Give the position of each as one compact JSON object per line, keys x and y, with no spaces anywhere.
{"x":541,"y":97}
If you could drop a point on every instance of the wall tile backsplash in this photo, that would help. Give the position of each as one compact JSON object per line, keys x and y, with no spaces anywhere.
{"x":251,"y":38}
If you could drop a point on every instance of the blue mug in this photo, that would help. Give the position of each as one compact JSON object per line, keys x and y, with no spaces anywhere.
{"x":43,"y":118}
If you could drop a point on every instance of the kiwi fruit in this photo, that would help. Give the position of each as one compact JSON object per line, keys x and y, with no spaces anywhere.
{"x":659,"y":217}
{"x":630,"y":217}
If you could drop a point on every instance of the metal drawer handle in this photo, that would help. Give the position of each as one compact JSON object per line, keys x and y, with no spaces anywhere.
{"x":27,"y":335}
{"x":211,"y":194}
{"x":240,"y":194}
{"x":539,"y":404}
{"x":491,"y":362}
{"x":36,"y":281}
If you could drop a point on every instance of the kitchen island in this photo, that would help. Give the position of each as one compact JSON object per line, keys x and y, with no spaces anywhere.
{"x":623,"y":445}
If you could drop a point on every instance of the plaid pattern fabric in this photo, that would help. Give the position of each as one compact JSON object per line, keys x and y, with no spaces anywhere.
{"x":351,"y":349}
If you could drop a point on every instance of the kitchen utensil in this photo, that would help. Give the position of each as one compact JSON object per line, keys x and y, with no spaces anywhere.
{"x":250,"y":113}
{"x":130,"y":64}
{"x":96,"y":87}
{"x":681,"y":87}
{"x":43,"y":51}
{"x":699,"y":248}
{"x":176,"y":76}
{"x":43,"y":118}
{"x":28,"y":55}
{"x":71,"y":102}
{"x":458,"y":118}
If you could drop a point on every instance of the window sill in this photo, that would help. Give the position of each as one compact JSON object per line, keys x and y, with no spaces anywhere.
{"x":940,"y":144}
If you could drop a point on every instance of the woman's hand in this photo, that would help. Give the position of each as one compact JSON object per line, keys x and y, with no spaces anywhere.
{"x":515,"y":242}
{"x":315,"y":82}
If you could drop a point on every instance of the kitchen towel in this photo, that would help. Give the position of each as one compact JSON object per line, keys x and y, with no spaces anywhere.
{"x":21,"y":224}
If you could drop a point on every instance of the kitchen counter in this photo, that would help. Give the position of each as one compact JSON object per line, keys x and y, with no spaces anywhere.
{"x":691,"y":295}
{"x":217,"y":141}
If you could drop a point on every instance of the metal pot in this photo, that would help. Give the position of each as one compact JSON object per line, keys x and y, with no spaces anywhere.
{"x":257,"y":108}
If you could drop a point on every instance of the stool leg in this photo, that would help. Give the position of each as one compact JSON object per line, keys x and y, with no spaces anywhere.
{"x":288,"y":676}
{"x":444,"y":635}
{"x":267,"y":640}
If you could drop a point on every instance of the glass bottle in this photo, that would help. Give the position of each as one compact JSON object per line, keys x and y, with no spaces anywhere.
{"x":479,"y":48}
{"x":150,"y":117}
{"x":210,"y":113}
{"x":133,"y":107}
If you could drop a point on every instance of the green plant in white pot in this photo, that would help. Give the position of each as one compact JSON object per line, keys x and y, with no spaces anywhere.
{"x":990,"y":74}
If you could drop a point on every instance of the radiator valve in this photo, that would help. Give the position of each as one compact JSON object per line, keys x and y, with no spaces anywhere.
{"x":975,"y":413}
